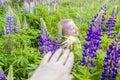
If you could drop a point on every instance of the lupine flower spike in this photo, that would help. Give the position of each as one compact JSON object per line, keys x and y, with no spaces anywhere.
{"x":25,"y":24}
{"x":58,"y":1}
{"x":2,"y":75}
{"x":111,"y":60}
{"x":49,"y":10}
{"x":18,"y":26}
{"x":93,"y":40}
{"x":9,"y":22}
{"x":110,"y":25}
{"x":32,"y":6}
{"x":2,"y":2}
{"x":43,"y":3}
{"x":46,"y":44}
{"x":26,"y":6}
{"x":56,"y":6}
{"x":27,"y":1}
{"x":79,"y":18}
{"x":35,"y":2}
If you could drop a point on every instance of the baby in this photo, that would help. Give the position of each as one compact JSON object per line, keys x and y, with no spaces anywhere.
{"x":68,"y":28}
{"x":70,"y":32}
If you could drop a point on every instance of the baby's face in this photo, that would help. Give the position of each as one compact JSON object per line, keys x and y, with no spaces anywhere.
{"x":72,"y":29}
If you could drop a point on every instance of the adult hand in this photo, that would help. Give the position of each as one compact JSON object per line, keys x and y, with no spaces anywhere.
{"x":55,"y":67}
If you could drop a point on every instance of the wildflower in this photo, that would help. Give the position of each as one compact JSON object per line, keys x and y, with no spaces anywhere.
{"x":18,"y":26}
{"x":9,"y":22}
{"x":79,"y":18}
{"x":2,"y":2}
{"x":45,"y":42}
{"x":27,"y":1}
{"x":51,"y":3}
{"x":35,"y":2}
{"x":26,"y":6}
{"x":2,"y":75}
{"x":111,"y":60}
{"x":43,"y":3}
{"x":49,"y":10}
{"x":93,"y":40}
{"x":56,"y":6}
{"x":32,"y":6}
{"x":111,"y":24}
{"x":58,"y":1}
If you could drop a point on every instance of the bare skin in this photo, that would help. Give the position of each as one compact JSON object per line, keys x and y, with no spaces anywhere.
{"x":68,"y":28}
{"x":55,"y":67}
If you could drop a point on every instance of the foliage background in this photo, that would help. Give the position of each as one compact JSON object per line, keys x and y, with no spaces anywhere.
{"x":25,"y":56}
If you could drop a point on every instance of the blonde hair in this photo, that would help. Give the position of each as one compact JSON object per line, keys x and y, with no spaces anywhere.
{"x":64,"y":25}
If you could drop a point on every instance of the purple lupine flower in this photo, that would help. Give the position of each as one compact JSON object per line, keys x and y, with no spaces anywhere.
{"x":26,"y":6}
{"x":45,"y":42}
{"x":58,"y":1}
{"x":103,"y":9}
{"x":111,"y":24}
{"x":26,"y":1}
{"x":79,"y":18}
{"x":35,"y":2}
{"x":43,"y":3}
{"x":49,"y":3}
{"x":9,"y":22}
{"x":111,"y":60}
{"x":93,"y":40}
{"x":18,"y":26}
{"x":2,"y":2}
{"x":56,"y":7}
{"x":32,"y":6}
{"x":49,"y":10}
{"x":2,"y":75}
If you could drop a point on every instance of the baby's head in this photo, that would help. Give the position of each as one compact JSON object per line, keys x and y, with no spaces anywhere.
{"x":68,"y":27}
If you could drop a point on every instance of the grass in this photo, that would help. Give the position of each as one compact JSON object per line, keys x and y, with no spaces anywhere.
{"x":25,"y":56}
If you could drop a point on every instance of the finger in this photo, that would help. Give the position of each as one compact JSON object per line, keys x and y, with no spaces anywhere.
{"x":66,"y":37}
{"x":64,"y":46}
{"x":69,"y":62}
{"x":70,"y":77}
{"x":64,"y":42}
{"x":56,"y":55}
{"x":64,"y":57}
{"x":68,"y":46}
{"x":46,"y":58}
